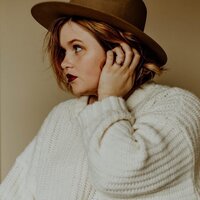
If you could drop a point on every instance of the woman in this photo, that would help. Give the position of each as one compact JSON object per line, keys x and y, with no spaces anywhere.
{"x":123,"y":136}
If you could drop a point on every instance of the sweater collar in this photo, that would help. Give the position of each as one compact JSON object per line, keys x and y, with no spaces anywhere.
{"x":81,"y":103}
{"x":134,"y":99}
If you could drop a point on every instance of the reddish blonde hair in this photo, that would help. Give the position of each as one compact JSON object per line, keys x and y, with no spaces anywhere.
{"x":108,"y":37}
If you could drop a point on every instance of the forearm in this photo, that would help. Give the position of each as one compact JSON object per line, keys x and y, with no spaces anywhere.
{"x":131,"y":156}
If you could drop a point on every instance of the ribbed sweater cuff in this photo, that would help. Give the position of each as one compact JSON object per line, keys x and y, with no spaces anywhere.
{"x":99,"y":116}
{"x":111,"y":103}
{"x":99,"y":108}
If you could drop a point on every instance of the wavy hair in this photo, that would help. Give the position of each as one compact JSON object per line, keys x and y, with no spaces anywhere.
{"x":108,"y":37}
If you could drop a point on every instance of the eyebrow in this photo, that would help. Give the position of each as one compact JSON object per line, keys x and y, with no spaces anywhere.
{"x":75,"y":40}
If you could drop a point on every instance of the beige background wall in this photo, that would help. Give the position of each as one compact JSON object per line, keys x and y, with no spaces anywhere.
{"x":28,"y":88}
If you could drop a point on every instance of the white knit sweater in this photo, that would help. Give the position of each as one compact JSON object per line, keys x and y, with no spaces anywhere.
{"x":145,"y":148}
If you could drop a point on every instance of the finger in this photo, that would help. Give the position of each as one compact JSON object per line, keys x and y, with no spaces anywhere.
{"x":136,"y":60}
{"x":128,"y":54}
{"x":119,"y":55}
{"x":109,"y":58}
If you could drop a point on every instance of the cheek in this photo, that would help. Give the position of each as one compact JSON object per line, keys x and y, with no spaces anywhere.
{"x":93,"y":74}
{"x":94,"y":66}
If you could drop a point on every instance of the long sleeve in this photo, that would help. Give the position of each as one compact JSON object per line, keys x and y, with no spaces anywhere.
{"x":139,"y":152}
{"x":16,"y":185}
{"x":19,"y":184}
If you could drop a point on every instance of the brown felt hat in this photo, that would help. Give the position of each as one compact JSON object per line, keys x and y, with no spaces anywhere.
{"x":128,"y":15}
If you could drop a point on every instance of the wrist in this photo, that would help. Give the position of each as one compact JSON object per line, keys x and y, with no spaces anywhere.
{"x":101,"y":97}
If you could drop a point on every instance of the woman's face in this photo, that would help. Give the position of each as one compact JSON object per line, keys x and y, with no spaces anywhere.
{"x":83,"y":61}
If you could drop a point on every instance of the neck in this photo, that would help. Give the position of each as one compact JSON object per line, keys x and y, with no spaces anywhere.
{"x":92,"y":99}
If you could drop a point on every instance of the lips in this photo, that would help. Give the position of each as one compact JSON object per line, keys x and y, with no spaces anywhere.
{"x":71,"y":77}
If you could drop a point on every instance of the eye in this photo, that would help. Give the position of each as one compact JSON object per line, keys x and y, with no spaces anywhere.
{"x":77,"y":48}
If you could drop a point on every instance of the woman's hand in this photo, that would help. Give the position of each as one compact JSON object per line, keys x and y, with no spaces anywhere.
{"x":117,"y":76}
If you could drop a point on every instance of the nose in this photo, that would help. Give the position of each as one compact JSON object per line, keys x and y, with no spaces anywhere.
{"x":67,"y":62}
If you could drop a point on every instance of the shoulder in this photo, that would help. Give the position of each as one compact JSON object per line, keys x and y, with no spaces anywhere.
{"x":174,"y":92}
{"x":64,"y":105}
{"x":175,"y":97}
{"x":69,"y":108}
{"x":172,"y":109}
{"x":154,"y":95}
{"x":170,"y":103}
{"x":180,"y":103}
{"x":60,"y":110}
{"x":58,"y":114}
{"x":61,"y":106}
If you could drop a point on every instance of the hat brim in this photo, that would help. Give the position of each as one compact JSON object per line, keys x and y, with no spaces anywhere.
{"x":47,"y":12}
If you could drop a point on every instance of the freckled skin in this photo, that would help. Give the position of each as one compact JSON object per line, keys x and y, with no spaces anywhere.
{"x":84,"y":58}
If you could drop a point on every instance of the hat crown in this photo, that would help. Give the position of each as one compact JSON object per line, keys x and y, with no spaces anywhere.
{"x":127,"y":15}
{"x":131,"y":11}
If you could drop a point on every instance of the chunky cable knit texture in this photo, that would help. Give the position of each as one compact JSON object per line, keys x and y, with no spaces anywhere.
{"x":145,"y":148}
